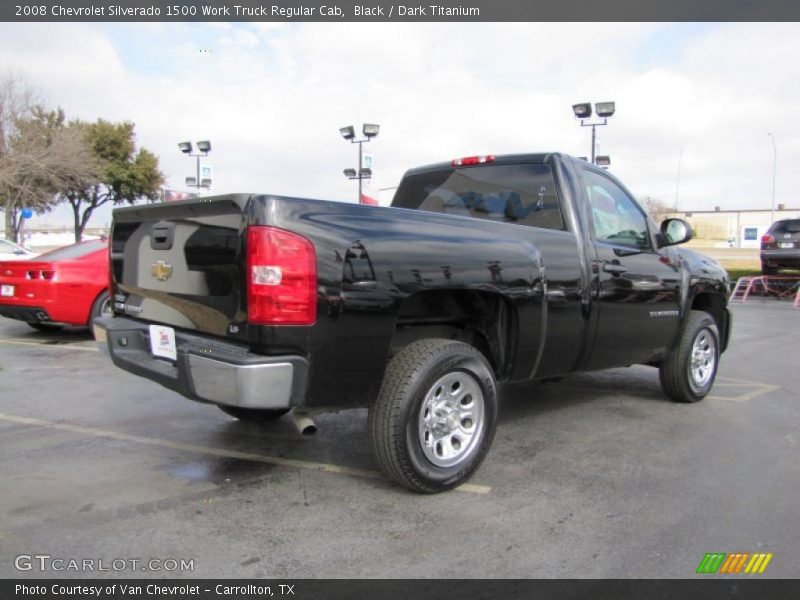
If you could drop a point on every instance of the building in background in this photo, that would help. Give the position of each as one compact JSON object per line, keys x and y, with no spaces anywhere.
{"x":735,"y":228}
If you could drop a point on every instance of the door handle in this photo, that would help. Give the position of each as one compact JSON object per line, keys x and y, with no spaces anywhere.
{"x":614,"y":269}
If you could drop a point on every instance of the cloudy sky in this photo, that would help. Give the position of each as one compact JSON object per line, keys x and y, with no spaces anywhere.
{"x":271,"y":98}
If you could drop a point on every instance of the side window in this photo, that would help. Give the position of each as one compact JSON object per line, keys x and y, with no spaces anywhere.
{"x":616,"y":217}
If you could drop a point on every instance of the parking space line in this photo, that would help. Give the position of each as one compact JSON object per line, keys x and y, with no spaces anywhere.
{"x":207,"y":450}
{"x":757,"y":389}
{"x":46,"y":345}
{"x":732,"y":380}
{"x":734,"y":385}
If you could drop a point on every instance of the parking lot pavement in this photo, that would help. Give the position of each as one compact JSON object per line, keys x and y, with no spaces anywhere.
{"x":595,"y":476}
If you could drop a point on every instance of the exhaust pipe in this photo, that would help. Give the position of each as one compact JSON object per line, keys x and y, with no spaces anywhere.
{"x":303,"y":423}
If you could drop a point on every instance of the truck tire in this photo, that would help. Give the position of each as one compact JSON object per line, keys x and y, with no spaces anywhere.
{"x":254,"y":415}
{"x":434,"y":419}
{"x":688,"y":372}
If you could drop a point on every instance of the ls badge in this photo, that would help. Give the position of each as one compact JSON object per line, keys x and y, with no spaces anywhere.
{"x":161,"y":270}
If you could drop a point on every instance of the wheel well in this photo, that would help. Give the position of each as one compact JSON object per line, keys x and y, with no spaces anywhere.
{"x":484,"y":320}
{"x":714,"y":305}
{"x":91,"y":306}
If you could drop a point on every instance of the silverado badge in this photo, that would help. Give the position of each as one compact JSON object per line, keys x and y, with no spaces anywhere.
{"x":161,"y":270}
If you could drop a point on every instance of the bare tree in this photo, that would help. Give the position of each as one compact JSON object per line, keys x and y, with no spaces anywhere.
{"x":40,"y":155}
{"x":44,"y":157}
{"x":17,"y":99}
{"x":657,"y":209}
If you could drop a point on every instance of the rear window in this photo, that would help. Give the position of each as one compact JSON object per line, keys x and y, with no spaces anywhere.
{"x":788,"y":226}
{"x":74,"y":251}
{"x":522,"y":194}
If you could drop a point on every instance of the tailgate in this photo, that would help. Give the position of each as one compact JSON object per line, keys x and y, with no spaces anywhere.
{"x":180,"y":263}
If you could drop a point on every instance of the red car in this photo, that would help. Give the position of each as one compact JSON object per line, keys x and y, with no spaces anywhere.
{"x":68,"y":286}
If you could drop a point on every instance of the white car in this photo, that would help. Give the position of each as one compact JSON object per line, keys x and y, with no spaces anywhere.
{"x":10,"y":251}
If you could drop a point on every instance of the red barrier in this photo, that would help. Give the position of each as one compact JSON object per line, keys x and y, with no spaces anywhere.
{"x":777,"y":286}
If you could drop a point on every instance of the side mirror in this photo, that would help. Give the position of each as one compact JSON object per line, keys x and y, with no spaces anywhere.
{"x":675,"y":231}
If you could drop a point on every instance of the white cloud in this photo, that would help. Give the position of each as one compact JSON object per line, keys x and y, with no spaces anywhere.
{"x":271,"y":98}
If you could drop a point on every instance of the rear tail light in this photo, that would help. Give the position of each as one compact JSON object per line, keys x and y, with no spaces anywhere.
{"x":44,"y":274}
{"x":281,"y":277}
{"x":472,"y":160}
{"x":767,"y":239}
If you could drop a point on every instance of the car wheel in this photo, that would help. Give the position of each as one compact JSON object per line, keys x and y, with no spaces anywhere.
{"x":51,"y":327}
{"x":254,"y":415}
{"x":100,"y":307}
{"x":767,"y":270}
{"x":688,"y":372}
{"x":434,"y":419}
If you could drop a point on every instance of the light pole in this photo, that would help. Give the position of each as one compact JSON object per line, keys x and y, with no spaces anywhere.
{"x":204,"y":147}
{"x":774,"y":173}
{"x":583,"y":111}
{"x":370,"y":130}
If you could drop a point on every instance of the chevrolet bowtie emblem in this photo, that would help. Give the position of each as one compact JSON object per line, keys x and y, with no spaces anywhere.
{"x":161,"y":270}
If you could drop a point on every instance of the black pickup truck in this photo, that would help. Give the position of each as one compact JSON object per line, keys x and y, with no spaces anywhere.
{"x":484,"y":270}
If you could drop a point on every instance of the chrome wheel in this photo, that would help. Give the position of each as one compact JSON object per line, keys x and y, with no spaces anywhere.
{"x":451,"y":419}
{"x":703,"y":358}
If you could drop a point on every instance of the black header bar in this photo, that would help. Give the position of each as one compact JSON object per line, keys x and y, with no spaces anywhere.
{"x":710,"y":587}
{"x":403,"y":11}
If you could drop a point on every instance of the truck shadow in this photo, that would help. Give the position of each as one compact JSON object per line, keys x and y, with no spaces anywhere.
{"x":342,"y":437}
{"x":631,"y":384}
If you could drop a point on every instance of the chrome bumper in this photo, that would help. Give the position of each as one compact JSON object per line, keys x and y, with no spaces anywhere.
{"x":218,"y":372}
{"x":268,"y":385}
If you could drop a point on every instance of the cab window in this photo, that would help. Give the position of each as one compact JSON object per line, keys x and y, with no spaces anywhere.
{"x":522,"y":194}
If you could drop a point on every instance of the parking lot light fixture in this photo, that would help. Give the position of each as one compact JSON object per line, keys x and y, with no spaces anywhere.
{"x":370,"y":130}
{"x":603,"y":110}
{"x":604,"y":161}
{"x":582,"y":110}
{"x":203,"y":147}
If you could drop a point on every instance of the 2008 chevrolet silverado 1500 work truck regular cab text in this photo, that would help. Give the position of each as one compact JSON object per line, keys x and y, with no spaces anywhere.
{"x":483,"y":271}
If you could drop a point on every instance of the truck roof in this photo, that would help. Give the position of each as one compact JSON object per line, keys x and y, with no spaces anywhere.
{"x":499,"y":159}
